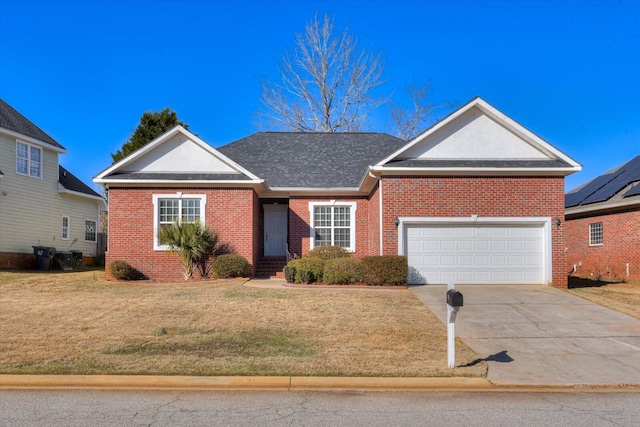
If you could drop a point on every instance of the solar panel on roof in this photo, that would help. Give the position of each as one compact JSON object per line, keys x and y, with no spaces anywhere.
{"x":606,"y":186}
{"x":633,"y":191}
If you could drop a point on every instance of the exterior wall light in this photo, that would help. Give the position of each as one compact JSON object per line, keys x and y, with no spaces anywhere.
{"x":558,"y":222}
{"x":396,"y":221}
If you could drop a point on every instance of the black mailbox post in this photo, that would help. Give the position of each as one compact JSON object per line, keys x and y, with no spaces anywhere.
{"x":454,"y":298}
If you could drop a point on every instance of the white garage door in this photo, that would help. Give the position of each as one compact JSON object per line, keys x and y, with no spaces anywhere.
{"x":475,"y":254}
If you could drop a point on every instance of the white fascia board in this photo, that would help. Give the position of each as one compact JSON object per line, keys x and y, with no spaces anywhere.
{"x":102,"y":201}
{"x":429,"y":131}
{"x":31,"y":140}
{"x":382,"y":170}
{"x":174,"y":182}
{"x":501,"y":118}
{"x":164,"y":137}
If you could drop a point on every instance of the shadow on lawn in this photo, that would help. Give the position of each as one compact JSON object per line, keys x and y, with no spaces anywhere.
{"x":580,"y":282}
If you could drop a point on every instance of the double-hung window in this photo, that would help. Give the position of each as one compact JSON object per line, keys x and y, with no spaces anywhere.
{"x":333,"y":223}
{"x":595,"y":234}
{"x":28,"y":160}
{"x":90,"y":230}
{"x":176,"y":208}
{"x":65,"y":228}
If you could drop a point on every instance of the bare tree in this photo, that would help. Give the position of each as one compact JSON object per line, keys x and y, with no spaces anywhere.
{"x":410,"y":122}
{"x":325,"y":83}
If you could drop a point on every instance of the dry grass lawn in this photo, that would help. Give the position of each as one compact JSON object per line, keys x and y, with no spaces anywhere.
{"x":78,"y":323}
{"x":622,"y":297}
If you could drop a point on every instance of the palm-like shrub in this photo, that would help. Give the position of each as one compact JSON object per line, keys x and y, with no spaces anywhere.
{"x":193,"y":242}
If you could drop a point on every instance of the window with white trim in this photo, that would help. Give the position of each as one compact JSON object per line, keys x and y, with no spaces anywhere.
{"x":28,"y":160}
{"x":176,"y":208}
{"x":90,"y":230}
{"x":333,"y":223}
{"x":596,"y":234}
{"x":65,"y":228}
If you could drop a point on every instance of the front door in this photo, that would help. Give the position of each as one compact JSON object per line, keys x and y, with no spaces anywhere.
{"x":275,"y":230}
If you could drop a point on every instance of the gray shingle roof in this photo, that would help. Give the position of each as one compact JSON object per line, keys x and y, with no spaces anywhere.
{"x":70,"y":182}
{"x":462,"y":163}
{"x":311,"y":160}
{"x":11,"y":119}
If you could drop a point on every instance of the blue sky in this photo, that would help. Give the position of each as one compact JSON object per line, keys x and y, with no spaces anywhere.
{"x":85,"y":71}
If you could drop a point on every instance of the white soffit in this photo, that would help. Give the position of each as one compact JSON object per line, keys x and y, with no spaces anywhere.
{"x":178,"y":154}
{"x":474,"y":136}
{"x":477,"y":131}
{"x":177,"y":150}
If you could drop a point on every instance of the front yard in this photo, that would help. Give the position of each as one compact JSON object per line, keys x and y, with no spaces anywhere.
{"x":622,"y":297}
{"x":78,"y":323}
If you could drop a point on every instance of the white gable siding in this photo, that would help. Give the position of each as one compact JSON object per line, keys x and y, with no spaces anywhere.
{"x":474,"y":136}
{"x":179,"y":154}
{"x":31,"y":209}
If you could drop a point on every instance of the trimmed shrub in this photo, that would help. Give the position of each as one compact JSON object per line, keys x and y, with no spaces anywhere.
{"x":121,"y":270}
{"x":290,"y":271}
{"x":327,"y":252}
{"x":309,"y":270}
{"x":342,"y":271}
{"x":385,"y":270}
{"x":230,"y":265}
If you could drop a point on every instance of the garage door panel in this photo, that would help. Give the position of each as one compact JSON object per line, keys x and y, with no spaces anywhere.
{"x":475,"y":253}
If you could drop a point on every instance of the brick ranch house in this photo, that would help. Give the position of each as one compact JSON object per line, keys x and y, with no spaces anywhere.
{"x":603,"y":225}
{"x":476,"y":199}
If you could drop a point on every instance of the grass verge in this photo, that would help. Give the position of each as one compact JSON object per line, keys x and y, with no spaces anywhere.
{"x":78,"y":323}
{"x":622,"y":297}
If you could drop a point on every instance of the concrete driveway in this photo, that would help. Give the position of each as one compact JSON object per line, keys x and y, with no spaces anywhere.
{"x":538,"y":335}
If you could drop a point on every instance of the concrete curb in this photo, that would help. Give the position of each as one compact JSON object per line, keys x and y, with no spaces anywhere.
{"x":282,"y":383}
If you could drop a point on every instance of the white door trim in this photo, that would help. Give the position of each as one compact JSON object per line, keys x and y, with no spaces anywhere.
{"x":545,"y":222}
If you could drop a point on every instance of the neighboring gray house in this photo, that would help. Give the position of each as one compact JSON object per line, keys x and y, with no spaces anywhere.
{"x":41,"y":203}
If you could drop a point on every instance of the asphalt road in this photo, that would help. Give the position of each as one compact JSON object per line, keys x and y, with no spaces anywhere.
{"x":242,"y":408}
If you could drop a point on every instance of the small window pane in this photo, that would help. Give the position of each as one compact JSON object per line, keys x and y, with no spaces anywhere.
{"x":323,"y":237}
{"x":65,"y":227}
{"x":595,"y":234}
{"x":21,"y":166}
{"x":190,"y":210}
{"x":342,"y":217}
{"x":322,"y":216}
{"x":90,"y":231}
{"x":342,"y":237}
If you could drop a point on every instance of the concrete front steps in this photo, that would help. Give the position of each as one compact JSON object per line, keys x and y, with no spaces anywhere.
{"x":271,"y":267}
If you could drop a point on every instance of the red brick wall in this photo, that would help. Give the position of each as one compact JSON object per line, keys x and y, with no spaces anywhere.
{"x":229,"y":211}
{"x":463,"y":196}
{"x":374,"y":222}
{"x":299,"y":227}
{"x":621,"y":246}
{"x":12,"y":260}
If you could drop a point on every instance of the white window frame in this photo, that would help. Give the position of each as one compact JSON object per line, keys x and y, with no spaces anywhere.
{"x":333,"y":203}
{"x":29,"y":160}
{"x":596,"y":233}
{"x":156,"y":214}
{"x":65,"y":229}
{"x":95,"y":230}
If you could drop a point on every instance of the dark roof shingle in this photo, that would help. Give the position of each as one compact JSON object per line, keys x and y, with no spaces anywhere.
{"x":309,"y":159}
{"x":70,"y":182}
{"x":11,"y":119}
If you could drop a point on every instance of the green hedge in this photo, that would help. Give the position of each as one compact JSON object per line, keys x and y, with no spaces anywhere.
{"x":342,"y":271}
{"x":327,"y":252}
{"x":230,"y":265}
{"x":385,"y":270}
{"x":309,"y":270}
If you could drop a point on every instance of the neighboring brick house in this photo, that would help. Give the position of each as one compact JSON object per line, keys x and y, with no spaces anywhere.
{"x":41,"y":203}
{"x":475,"y":199}
{"x":603,"y":225}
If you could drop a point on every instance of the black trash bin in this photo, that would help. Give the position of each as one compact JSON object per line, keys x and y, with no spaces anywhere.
{"x":44,"y":257}
{"x":77,"y":259}
{"x":64,"y":259}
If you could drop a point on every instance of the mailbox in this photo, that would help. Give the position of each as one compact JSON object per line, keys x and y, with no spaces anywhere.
{"x":454,"y":298}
